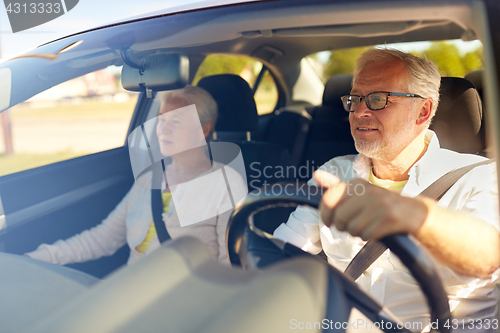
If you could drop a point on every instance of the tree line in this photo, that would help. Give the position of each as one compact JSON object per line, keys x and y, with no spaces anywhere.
{"x":447,"y":56}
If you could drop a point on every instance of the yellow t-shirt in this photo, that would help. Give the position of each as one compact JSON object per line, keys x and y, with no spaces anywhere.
{"x":141,"y":248}
{"x":395,"y":186}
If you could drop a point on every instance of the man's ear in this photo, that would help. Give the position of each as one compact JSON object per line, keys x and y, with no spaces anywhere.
{"x":425,"y":113}
{"x":207,"y":128}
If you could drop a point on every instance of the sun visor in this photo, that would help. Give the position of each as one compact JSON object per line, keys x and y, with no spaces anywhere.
{"x":155,"y":72}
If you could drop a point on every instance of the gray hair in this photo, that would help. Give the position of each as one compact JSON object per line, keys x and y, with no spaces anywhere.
{"x":423,"y":74}
{"x":204,"y":102}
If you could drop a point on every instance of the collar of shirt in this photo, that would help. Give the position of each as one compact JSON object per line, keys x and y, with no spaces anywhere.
{"x":423,"y":173}
{"x":395,"y":186}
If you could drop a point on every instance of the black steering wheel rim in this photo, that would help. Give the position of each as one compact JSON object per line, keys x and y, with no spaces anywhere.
{"x":407,"y":251}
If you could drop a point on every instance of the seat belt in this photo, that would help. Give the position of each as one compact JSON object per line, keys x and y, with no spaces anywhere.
{"x":157,"y":202}
{"x":373,"y":249}
{"x":300,"y":139}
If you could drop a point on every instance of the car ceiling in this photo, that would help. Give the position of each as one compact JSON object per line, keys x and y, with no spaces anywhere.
{"x":281,"y":36}
{"x":279,"y":33}
{"x":293,"y":28}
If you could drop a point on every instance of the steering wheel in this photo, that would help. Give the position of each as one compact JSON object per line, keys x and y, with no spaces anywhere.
{"x":250,"y":247}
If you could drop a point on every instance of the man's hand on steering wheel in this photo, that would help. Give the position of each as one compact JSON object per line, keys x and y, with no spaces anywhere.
{"x":368,"y":211}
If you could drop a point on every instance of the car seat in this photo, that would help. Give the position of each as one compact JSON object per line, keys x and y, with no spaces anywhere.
{"x":238,"y":114}
{"x":476,"y":78}
{"x":289,"y":128}
{"x":264,"y":162}
{"x":458,"y":119}
{"x":314,"y":135}
{"x":330,"y":134}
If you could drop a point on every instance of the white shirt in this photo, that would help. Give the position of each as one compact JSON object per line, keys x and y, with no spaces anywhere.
{"x":387,"y":280}
{"x":206,"y":196}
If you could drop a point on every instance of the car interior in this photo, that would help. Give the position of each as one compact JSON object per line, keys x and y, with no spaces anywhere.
{"x":306,"y":127}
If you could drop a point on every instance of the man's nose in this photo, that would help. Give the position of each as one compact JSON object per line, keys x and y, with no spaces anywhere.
{"x":362,"y":110}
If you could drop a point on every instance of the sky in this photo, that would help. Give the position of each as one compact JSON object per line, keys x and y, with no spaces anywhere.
{"x":87,"y":14}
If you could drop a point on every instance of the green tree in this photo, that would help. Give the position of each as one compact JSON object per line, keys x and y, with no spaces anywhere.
{"x":447,"y":57}
{"x":342,"y":61}
{"x":449,"y":61}
{"x":223,"y":64}
{"x":473,"y":60}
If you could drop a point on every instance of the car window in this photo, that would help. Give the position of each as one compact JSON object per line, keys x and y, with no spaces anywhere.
{"x":455,"y":58}
{"x":82,"y":116}
{"x":266,"y":93}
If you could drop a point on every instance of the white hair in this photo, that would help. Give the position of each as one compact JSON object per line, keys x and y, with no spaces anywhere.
{"x":204,"y":102}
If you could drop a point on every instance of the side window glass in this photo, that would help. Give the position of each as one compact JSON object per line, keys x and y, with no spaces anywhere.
{"x":453,"y":57}
{"x":85,"y":115}
{"x":266,"y":94}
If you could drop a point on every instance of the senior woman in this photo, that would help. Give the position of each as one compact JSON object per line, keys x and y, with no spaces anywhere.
{"x":131,"y":222}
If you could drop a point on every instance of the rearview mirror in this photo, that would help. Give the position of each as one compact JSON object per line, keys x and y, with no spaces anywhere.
{"x":155,"y":72}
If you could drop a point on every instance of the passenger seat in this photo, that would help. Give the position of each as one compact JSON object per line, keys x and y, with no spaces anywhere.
{"x":263,"y":161}
{"x":238,"y":117}
{"x":289,"y":128}
{"x":329,"y":135}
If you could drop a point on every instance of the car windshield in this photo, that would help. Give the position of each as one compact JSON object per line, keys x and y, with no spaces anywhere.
{"x":91,"y":122}
{"x":287,"y":63}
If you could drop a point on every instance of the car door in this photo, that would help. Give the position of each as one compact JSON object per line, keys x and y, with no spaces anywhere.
{"x":67,"y":195}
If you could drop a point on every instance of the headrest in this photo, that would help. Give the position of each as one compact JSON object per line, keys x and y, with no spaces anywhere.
{"x":476,"y":77}
{"x":336,"y":87}
{"x":457,"y":122}
{"x":234,"y":97}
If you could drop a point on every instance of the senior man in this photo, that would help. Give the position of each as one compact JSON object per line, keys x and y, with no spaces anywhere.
{"x":393,"y":99}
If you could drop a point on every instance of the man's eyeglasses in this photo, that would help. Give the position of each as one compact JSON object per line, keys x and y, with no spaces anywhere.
{"x":374,"y":101}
